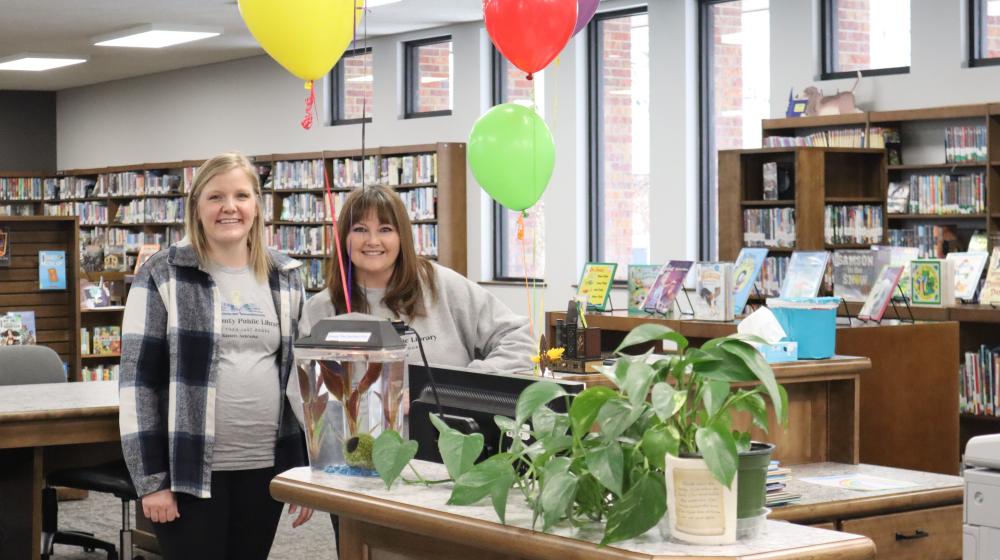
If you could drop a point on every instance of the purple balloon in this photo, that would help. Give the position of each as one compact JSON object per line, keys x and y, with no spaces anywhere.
{"x":585,"y":10}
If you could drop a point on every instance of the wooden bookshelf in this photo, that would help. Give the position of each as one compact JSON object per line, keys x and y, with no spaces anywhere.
{"x":57,"y":312}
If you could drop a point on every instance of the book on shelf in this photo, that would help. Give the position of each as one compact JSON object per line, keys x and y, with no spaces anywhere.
{"x":770,"y":170}
{"x":146,"y":251}
{"x":84,"y":341}
{"x":100,"y":372}
{"x":713,"y":289}
{"x":52,"y":270}
{"x":106,"y":340}
{"x":980,"y":382}
{"x":772,"y":275}
{"x":855,"y":272}
{"x":92,"y":258}
{"x":93,"y":295}
{"x":990,"y":294}
{"x":881,"y":293}
{"x":898,"y":197}
{"x":899,"y":256}
{"x":745,"y":273}
{"x":114,"y":259}
{"x":968,"y":270}
{"x":595,"y":284}
{"x":978,"y":242}
{"x":668,"y":284}
{"x":17,"y":327}
{"x":932,"y":282}
{"x":4,"y":248}
{"x":641,"y":278}
{"x":805,"y":274}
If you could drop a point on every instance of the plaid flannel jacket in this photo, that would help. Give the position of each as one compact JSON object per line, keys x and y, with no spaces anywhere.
{"x":170,"y":334}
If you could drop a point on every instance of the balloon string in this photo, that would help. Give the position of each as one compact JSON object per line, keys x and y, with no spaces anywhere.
{"x":336,"y":237}
{"x":524,"y":264}
{"x":307,"y":122}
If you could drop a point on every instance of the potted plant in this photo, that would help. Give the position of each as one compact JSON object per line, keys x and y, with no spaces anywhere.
{"x":606,"y":458}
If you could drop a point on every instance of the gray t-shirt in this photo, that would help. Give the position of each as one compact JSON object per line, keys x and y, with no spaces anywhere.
{"x":247,"y":389}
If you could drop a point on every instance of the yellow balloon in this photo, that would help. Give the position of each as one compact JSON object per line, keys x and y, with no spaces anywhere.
{"x":307,"y":37}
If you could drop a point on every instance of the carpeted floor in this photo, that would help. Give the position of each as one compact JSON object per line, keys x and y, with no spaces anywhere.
{"x":101,"y":514}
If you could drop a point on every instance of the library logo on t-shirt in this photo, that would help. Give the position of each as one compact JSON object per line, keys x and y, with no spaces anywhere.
{"x":234,"y":307}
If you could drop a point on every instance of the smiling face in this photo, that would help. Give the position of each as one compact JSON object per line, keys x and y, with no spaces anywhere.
{"x":374,"y":247}
{"x":227,"y":208}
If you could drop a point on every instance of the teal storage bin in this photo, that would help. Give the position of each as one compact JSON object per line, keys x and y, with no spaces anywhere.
{"x":812,"y":322}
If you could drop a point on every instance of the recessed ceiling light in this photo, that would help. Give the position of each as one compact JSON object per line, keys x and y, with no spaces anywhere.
{"x":377,"y":3}
{"x":154,"y":36}
{"x":38,"y":62}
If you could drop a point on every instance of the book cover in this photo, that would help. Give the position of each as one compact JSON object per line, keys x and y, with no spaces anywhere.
{"x":854,"y":273}
{"x":17,"y":327}
{"x":52,"y":270}
{"x":668,"y":284}
{"x":114,"y":259}
{"x":94,"y":295}
{"x":4,"y":247}
{"x":805,"y":274}
{"x":106,"y":340}
{"x":978,"y":242}
{"x":145,"y":252}
{"x":880,"y":294}
{"x":745,"y":272}
{"x":641,"y":278}
{"x":898,"y":199}
{"x":92,"y":258}
{"x":990,"y":294}
{"x":713,"y":286}
{"x":84,"y":341}
{"x":595,"y":284}
{"x":770,"y":170}
{"x":900,"y":256}
{"x":968,"y":269}
{"x":926,"y":276}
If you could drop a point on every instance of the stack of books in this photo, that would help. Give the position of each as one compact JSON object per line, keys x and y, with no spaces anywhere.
{"x":777,"y":477}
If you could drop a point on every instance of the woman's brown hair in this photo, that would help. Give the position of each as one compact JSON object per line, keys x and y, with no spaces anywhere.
{"x":412,"y":273}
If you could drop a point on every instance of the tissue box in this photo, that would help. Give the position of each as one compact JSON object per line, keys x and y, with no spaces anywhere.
{"x":784,"y":351}
{"x":812,"y":322}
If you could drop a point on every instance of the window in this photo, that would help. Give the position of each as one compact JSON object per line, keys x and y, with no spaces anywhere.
{"x":429,"y":81}
{"x":868,"y":35}
{"x":351,"y":87}
{"x":984,"y":32}
{"x":619,"y":138}
{"x":511,"y":257}
{"x":736,"y":70}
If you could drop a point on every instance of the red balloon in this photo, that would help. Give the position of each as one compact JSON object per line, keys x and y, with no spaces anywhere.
{"x":530,"y":33}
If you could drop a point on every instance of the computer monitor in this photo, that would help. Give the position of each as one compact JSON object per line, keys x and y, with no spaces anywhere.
{"x":470,"y":398}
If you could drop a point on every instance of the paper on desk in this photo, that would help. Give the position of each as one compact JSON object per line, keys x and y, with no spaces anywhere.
{"x":859,"y":482}
{"x":762,"y":323}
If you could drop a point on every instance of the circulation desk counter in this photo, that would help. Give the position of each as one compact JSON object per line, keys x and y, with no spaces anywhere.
{"x":908,"y":398}
{"x":413,"y":522}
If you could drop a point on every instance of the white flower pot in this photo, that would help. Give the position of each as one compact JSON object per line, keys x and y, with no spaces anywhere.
{"x":700,"y":510}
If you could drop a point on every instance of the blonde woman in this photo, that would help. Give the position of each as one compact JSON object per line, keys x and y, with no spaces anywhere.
{"x":206,"y":354}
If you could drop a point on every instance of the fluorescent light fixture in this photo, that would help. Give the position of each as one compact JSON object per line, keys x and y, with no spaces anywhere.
{"x":364,"y":78}
{"x":377,"y":3}
{"x":154,"y":36}
{"x":32,"y":62}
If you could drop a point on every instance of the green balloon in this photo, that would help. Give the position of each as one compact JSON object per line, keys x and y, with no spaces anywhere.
{"x":511,"y":154}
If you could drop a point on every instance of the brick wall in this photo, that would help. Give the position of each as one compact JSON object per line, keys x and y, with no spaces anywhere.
{"x":435,"y":65}
{"x":357,"y":91}
{"x":727,"y":77}
{"x":992,"y":37}
{"x":853,"y":35}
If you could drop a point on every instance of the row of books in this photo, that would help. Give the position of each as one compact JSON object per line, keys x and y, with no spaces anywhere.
{"x":304,"y":207}
{"x":142,"y":183}
{"x":101,"y":341}
{"x":69,"y":188}
{"x":837,"y":138}
{"x":769,"y":227}
{"x":312,"y":274}
{"x":20,"y":188}
{"x":964,"y":143}
{"x":857,"y":224}
{"x":90,"y":213}
{"x":151,"y":210}
{"x":302,"y":174}
{"x":385,"y":170}
{"x":134,"y":240}
{"x":938,"y":194}
{"x":16,"y":210}
{"x":425,"y":240}
{"x":881,"y":137}
{"x":777,"y":480}
{"x":420,"y":203}
{"x":656,"y":289}
{"x":100,"y":372}
{"x":980,"y":382}
{"x":298,"y":240}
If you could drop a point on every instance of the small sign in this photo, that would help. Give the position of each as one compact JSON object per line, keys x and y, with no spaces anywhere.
{"x":348,"y":336}
{"x":595,"y":284}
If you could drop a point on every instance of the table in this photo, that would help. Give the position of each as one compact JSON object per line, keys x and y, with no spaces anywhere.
{"x":47,"y":424}
{"x":411,"y":521}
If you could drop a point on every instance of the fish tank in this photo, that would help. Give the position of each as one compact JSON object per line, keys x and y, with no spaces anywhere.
{"x":352,"y":377}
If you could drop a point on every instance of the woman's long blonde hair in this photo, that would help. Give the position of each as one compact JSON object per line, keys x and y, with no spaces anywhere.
{"x":411,"y":275}
{"x":260,"y":260}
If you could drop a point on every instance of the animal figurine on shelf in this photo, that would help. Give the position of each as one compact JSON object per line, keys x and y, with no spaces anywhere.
{"x":840,"y":103}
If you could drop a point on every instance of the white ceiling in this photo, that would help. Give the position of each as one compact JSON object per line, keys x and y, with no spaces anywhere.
{"x":65,"y":27}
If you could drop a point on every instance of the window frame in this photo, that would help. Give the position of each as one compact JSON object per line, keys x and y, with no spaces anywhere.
{"x":975,"y":34}
{"x":595,"y":113}
{"x":828,"y":51}
{"x":410,"y":76}
{"x":337,"y":90}
{"x":708,"y":239}
{"x":500,"y":226}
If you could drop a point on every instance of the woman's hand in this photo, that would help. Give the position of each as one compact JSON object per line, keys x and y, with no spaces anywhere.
{"x":305,"y":514}
{"x":160,"y":506}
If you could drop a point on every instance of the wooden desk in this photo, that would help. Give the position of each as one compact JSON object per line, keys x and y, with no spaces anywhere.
{"x":913,"y":378}
{"x":40,"y":424}
{"x":410,"y":521}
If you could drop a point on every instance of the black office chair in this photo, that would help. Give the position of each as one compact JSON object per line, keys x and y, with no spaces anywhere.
{"x":22,"y":365}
